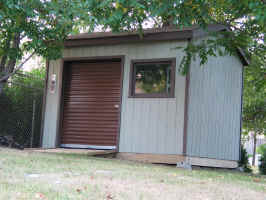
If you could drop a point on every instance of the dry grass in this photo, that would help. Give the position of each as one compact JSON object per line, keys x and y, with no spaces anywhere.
{"x":34,"y":175}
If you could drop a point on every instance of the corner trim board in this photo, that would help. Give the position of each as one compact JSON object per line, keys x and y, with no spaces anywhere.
{"x":44,"y":101}
{"x":241,"y":110}
{"x":60,"y":110}
{"x":186,"y":112}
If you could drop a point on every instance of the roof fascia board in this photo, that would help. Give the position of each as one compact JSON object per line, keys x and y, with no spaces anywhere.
{"x":186,"y":34}
{"x":109,"y":40}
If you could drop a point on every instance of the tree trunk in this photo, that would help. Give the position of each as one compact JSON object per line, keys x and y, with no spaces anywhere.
{"x":254,"y":148}
{"x":1,"y":87}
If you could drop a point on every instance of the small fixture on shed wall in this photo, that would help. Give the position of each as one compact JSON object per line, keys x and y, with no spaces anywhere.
{"x":53,"y":83}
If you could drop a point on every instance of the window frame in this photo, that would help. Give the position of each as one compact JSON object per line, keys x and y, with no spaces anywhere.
{"x":132,"y":77}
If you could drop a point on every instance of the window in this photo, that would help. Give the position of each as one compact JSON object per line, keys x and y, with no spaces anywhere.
{"x":152,"y":78}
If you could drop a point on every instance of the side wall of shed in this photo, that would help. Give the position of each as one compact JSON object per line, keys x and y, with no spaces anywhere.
{"x":214,"y":108}
{"x":148,"y":125}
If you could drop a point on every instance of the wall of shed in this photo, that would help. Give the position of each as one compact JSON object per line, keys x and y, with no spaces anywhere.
{"x":214,"y":109}
{"x":52,"y":108}
{"x":148,"y":125}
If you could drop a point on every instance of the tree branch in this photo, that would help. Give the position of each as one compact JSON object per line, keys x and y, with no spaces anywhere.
{"x":4,"y":58}
{"x":3,"y":62}
{"x":4,"y":78}
{"x":15,"y":45}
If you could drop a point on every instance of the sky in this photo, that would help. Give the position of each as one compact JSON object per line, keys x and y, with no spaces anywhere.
{"x":33,"y":63}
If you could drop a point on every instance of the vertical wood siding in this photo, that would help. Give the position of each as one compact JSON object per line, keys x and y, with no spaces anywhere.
{"x":148,"y":125}
{"x":214,"y":109}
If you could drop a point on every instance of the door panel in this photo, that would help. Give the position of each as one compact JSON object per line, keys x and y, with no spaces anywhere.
{"x":91,"y":105}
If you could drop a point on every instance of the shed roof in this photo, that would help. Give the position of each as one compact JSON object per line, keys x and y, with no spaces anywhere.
{"x":154,"y":34}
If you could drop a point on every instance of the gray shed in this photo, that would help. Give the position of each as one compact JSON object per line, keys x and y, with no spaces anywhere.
{"x":122,"y":92}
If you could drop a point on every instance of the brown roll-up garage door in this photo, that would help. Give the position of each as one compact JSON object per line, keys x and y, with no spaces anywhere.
{"x":91,"y":104}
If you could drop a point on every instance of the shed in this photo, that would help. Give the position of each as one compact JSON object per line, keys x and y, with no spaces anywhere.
{"x":124,"y":92}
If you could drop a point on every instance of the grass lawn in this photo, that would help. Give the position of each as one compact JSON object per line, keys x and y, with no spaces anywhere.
{"x":32,"y":175}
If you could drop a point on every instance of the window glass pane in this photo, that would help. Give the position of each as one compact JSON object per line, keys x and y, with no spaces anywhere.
{"x":153,"y":78}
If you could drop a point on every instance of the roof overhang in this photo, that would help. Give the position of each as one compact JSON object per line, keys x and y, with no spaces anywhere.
{"x":148,"y":35}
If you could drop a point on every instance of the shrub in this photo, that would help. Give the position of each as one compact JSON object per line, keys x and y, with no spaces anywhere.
{"x":243,"y":162}
{"x":261,"y":149}
{"x":16,"y":107}
{"x":262,"y":165}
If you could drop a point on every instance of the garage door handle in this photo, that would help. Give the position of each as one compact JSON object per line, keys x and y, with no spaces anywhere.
{"x":116,"y":106}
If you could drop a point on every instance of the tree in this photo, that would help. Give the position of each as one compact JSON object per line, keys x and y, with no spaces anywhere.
{"x":39,"y":27}
{"x":254,"y":102}
{"x":29,"y":27}
{"x":244,"y":19}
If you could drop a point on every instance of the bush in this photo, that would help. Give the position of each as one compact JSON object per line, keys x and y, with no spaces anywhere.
{"x":261,"y":149}
{"x":243,"y":162}
{"x":16,"y":107}
{"x":262,"y":165}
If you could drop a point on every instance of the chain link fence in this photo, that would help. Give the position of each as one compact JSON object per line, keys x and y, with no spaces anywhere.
{"x":21,"y":109}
